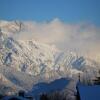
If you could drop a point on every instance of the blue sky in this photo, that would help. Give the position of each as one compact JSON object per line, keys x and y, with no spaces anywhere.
{"x":70,"y":11}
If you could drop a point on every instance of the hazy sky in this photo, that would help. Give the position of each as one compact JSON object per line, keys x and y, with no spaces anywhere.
{"x":70,"y":11}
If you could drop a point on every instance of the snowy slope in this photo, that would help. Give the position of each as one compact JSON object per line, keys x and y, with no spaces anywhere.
{"x":35,"y":61}
{"x":27,"y":56}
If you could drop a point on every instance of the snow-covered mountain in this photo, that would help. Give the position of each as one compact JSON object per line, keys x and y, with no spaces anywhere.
{"x":29,"y":61}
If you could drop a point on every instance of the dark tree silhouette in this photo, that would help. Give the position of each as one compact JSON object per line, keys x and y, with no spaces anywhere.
{"x":44,"y":97}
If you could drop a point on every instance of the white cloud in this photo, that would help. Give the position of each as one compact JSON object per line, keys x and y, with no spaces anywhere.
{"x":76,"y":37}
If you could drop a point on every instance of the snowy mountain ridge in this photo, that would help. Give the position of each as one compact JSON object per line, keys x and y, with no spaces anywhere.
{"x":36,"y":59}
{"x":28,"y":54}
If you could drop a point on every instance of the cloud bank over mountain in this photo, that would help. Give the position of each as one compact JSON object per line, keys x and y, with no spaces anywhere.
{"x":78,"y":37}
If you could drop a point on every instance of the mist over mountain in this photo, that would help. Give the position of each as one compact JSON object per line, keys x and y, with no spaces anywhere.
{"x":82,"y":38}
